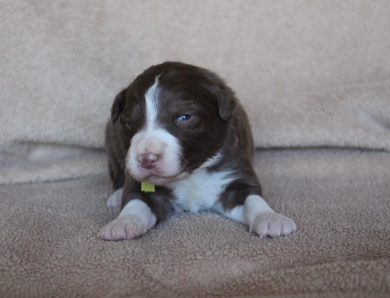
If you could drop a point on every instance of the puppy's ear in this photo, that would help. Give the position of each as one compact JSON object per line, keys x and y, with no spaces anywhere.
{"x":118,"y":105}
{"x":226,"y":103}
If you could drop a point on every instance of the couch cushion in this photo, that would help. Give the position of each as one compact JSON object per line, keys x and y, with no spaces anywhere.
{"x":309,"y":73}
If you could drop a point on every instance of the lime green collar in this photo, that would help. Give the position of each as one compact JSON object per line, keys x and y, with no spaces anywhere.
{"x":147,"y":187}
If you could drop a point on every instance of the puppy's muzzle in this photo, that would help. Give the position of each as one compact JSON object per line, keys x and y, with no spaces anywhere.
{"x":154,"y":155}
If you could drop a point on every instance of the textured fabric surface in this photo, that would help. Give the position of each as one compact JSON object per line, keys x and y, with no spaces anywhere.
{"x":339,"y":199}
{"x":310,"y":73}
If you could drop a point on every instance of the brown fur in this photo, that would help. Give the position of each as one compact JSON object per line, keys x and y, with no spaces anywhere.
{"x":221,"y":125}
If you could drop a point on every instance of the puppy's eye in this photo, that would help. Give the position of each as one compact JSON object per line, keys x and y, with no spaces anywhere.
{"x":183,"y":118}
{"x":128,"y":124}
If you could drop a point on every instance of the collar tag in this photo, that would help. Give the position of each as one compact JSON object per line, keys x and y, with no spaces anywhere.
{"x":147,"y":187}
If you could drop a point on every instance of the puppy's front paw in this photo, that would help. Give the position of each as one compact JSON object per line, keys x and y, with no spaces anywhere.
{"x":115,"y":200}
{"x":272,"y":224}
{"x":122,"y":228}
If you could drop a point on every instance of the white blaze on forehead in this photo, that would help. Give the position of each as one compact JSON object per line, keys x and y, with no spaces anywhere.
{"x":151,"y":97}
{"x":152,"y":139}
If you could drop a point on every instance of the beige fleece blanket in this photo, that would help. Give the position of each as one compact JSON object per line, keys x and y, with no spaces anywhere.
{"x":339,"y":199}
{"x":310,"y":73}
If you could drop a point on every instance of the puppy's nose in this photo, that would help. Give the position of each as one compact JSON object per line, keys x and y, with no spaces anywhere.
{"x":148,"y":160}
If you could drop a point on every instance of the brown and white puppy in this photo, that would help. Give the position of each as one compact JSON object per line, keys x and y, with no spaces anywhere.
{"x":181,"y":128}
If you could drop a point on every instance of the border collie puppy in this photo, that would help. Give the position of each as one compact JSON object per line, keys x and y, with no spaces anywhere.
{"x":179,"y":140}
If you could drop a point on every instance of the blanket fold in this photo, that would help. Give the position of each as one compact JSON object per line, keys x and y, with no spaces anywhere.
{"x":39,"y":162}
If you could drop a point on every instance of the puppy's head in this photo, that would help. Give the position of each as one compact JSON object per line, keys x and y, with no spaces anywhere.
{"x":175,"y":118}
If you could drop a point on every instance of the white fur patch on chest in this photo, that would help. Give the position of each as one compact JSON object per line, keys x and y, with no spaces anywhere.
{"x":201,"y":190}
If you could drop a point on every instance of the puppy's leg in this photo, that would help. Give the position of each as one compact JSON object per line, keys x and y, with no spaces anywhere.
{"x":133,"y":221}
{"x":260,"y":218}
{"x":115,"y":200}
